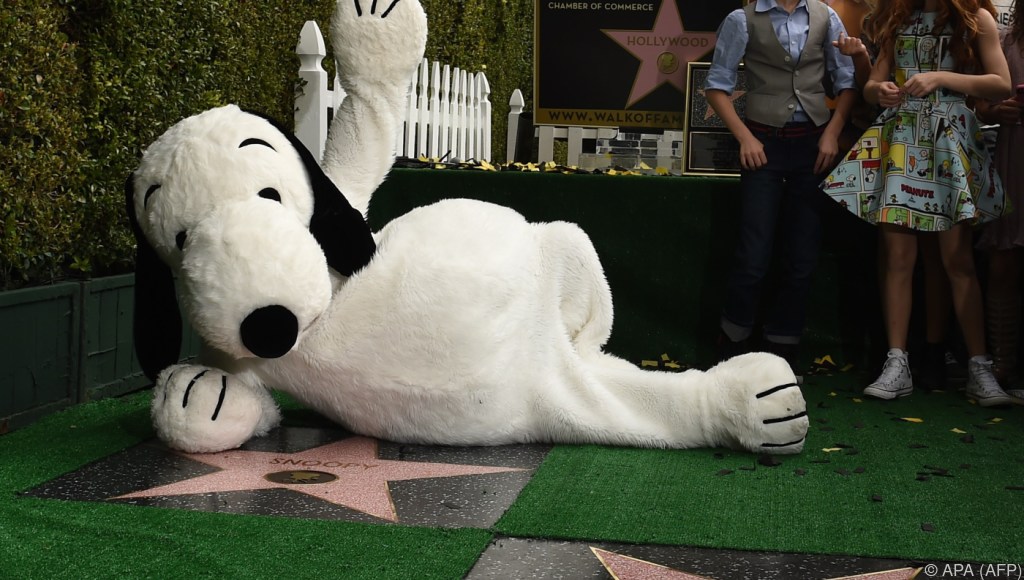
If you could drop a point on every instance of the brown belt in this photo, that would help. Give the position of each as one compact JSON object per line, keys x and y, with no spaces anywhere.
{"x":788,"y":131}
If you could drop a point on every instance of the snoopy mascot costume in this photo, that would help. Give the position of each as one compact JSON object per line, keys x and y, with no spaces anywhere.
{"x":459,"y":323}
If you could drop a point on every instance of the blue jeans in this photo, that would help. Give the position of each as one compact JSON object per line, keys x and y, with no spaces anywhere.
{"x":777,"y":210}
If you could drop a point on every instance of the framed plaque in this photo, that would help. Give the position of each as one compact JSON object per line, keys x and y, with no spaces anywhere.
{"x":708,"y":146}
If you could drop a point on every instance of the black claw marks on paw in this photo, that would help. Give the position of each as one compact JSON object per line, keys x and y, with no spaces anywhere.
{"x":774,"y":390}
{"x":785,"y":419}
{"x":373,"y":8}
{"x":778,"y":445}
{"x":220,"y":399}
{"x":188,"y":389}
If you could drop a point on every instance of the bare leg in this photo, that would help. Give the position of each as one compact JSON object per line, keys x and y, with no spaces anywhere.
{"x":937,"y":292}
{"x":958,"y":258}
{"x":897,"y":281}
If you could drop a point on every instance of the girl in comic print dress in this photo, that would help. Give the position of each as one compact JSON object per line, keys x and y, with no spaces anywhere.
{"x":922,"y":167}
{"x":922,"y":164}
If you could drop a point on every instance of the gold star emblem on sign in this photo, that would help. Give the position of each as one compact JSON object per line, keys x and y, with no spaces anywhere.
{"x":662,"y":51}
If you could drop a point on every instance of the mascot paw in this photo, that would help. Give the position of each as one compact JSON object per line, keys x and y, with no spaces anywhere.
{"x":763,"y":407}
{"x":201,"y":409}
{"x":378,"y":41}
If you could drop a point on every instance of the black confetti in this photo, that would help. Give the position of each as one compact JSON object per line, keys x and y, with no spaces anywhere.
{"x":876,"y":498}
{"x":719,"y":456}
{"x":967,"y":438}
{"x":800,"y":471}
{"x":965,"y":466}
{"x":917,"y":446}
{"x":858,"y":470}
{"x":926,"y":527}
{"x":843,"y":472}
{"x":852,"y":452}
{"x":922,"y":477}
{"x":748,"y":468}
{"x":724,"y":472}
{"x":842,"y":445}
{"x":858,"y":425}
{"x":768,"y":460}
{"x":1015,"y":487}
{"x":821,"y":461}
{"x":825,"y":429}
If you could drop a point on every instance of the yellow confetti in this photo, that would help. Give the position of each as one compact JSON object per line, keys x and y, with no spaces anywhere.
{"x":612,"y":172}
{"x":661,"y":171}
{"x":648,"y":363}
{"x":832,"y":394}
{"x":486,"y":166}
{"x":664,"y":356}
{"x":912,"y":419}
{"x":825,"y":359}
{"x":439,"y":166}
{"x":643,"y":165}
{"x":549,"y":165}
{"x":846,"y":367}
{"x":673,"y":365}
{"x":994,"y":420}
{"x":856,"y":400}
{"x":832,"y":449}
{"x":958,"y":431}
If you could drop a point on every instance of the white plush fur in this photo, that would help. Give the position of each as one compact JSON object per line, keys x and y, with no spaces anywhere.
{"x":469,"y":326}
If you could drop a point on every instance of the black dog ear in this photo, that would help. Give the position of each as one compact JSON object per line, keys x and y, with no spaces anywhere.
{"x":342,"y":232}
{"x":157,"y":324}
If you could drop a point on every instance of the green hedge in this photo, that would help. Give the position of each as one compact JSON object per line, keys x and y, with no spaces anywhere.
{"x":87,"y":84}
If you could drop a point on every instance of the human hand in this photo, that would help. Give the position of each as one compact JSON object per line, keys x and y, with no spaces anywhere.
{"x":752,"y":154}
{"x":849,"y":45}
{"x":923,"y":84}
{"x":888,"y":94}
{"x":1006,"y":112}
{"x":828,"y":148}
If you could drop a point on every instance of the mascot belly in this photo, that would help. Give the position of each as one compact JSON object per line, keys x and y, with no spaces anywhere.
{"x":458,"y":323}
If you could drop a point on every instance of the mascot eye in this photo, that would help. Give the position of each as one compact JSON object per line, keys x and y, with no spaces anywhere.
{"x":180,"y":239}
{"x":270,"y":193}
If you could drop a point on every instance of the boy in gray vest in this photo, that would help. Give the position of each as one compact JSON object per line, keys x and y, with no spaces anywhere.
{"x":787,"y":142}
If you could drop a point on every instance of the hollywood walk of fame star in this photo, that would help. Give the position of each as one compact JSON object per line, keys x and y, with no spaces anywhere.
{"x":626,"y":568}
{"x":711,"y":112}
{"x":346,"y":472}
{"x":663,"y":51}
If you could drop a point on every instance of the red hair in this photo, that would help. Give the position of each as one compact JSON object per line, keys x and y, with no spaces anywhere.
{"x":890,"y":17}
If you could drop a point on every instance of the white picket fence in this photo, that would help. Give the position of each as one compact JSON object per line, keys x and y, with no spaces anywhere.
{"x":448,"y":116}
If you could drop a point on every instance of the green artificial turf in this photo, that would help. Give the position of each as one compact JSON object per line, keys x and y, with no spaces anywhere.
{"x":886,"y":487}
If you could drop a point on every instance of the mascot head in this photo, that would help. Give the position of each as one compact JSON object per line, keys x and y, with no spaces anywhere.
{"x":240,"y":213}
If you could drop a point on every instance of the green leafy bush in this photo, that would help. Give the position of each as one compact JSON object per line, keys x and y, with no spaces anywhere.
{"x":87,"y":84}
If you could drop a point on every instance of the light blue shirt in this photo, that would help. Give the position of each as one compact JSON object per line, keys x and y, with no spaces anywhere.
{"x":791,"y":29}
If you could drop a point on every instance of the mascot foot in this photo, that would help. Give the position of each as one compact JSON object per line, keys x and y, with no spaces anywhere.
{"x":762,"y":407}
{"x":202,"y":410}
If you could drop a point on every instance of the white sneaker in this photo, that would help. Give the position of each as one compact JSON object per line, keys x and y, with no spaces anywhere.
{"x":895,"y":380}
{"x":1017,"y":395}
{"x":982,"y":385}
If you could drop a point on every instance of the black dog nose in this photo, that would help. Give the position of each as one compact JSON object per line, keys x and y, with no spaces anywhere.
{"x":270,"y":332}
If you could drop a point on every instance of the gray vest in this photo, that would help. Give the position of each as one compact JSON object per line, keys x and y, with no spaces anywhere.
{"x":774,"y":82}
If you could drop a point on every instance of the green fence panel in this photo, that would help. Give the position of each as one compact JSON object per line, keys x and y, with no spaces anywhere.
{"x":39,"y":352}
